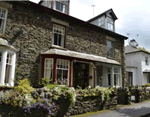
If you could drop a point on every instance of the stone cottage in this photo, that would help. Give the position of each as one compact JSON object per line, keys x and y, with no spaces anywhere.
{"x":54,"y":45}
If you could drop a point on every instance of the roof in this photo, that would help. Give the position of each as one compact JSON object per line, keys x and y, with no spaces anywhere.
{"x":5,"y":43}
{"x":129,"y":50}
{"x":66,"y":17}
{"x":81,"y":56}
{"x":112,"y":12}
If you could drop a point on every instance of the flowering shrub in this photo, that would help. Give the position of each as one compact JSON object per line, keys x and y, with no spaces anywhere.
{"x":24,"y":87}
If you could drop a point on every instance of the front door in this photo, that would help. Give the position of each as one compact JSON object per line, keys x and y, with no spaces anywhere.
{"x":81,"y":75}
{"x":99,"y":70}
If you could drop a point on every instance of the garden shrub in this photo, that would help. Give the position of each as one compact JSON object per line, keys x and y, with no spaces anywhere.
{"x":147,"y":85}
{"x":24,"y":87}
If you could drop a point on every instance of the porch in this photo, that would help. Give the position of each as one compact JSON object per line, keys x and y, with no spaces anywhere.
{"x":80,"y":69}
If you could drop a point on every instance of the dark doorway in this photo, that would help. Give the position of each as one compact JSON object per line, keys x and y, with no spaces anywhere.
{"x":81,"y":75}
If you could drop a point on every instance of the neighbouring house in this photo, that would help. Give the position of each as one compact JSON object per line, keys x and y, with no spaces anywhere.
{"x":137,"y":64}
{"x":54,"y":45}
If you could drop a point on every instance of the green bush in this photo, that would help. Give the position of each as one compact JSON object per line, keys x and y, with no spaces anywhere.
{"x":147,"y":85}
{"x":24,"y":87}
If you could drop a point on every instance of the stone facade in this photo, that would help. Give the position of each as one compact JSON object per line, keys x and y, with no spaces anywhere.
{"x":30,"y":31}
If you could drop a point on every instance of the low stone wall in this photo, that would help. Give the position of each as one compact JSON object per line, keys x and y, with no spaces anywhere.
{"x":140,"y":94}
{"x":82,"y":105}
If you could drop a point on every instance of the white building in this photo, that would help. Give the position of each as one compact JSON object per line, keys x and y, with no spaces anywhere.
{"x":137,"y":64}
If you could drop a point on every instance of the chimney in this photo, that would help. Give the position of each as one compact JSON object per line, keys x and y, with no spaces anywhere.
{"x":133,"y":43}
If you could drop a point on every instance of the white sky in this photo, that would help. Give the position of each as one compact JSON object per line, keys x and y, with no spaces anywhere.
{"x":133,"y":16}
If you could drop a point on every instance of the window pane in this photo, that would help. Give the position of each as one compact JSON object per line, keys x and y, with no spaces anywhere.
{"x":65,"y":74}
{"x":57,"y":5}
{"x":55,"y":38}
{"x":59,"y":74}
{"x":8,"y":67}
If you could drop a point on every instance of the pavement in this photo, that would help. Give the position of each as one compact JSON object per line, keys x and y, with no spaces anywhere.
{"x":135,"y":110}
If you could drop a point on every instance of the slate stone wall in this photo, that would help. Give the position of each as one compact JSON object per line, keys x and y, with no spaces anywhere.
{"x":30,"y":31}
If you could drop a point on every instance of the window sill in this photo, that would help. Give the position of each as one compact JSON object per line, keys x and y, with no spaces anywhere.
{"x":58,"y":47}
{"x":111,"y":58}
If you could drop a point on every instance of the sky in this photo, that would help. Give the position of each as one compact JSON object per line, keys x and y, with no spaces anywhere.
{"x":133,"y":16}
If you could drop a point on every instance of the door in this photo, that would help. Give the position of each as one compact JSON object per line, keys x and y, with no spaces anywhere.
{"x":81,"y":75}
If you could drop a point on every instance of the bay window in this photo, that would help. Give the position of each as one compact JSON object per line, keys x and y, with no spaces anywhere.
{"x":58,"y":35}
{"x":116,"y":76}
{"x":3,"y":16}
{"x":62,"y":71}
{"x":48,"y":69}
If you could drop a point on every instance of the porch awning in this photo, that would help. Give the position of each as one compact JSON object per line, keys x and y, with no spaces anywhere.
{"x":146,"y":71}
{"x":81,"y":56}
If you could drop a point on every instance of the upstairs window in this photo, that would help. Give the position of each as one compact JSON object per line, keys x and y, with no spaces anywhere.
{"x":146,"y":60}
{"x":110,"y":49}
{"x":59,"y":35}
{"x":61,"y":6}
{"x":3,"y":15}
{"x":110,"y":24}
{"x":101,"y":21}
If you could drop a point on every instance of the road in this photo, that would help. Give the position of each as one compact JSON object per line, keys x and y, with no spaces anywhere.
{"x":136,"y":110}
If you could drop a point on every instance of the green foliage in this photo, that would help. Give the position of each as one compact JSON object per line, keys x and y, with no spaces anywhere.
{"x":24,"y":87}
{"x":142,"y":48}
{"x":147,"y":85}
{"x":44,"y":82}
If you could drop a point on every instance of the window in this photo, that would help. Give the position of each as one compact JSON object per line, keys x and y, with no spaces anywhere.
{"x":101,"y":21}
{"x":130,"y":78}
{"x":110,"y":24}
{"x":8,"y":67}
{"x":61,"y":6}
{"x":109,"y":76}
{"x":62,"y":70}
{"x":3,"y":15}
{"x":110,"y":49}
{"x":59,"y":35}
{"x":116,"y":77}
{"x":146,"y":60}
{"x":48,"y":71}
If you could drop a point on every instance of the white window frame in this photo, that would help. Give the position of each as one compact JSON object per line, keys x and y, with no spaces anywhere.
{"x":111,"y":23}
{"x":118,"y":78}
{"x":5,"y":20}
{"x":110,"y":52}
{"x":51,"y":69}
{"x":146,"y":61}
{"x":8,"y":63}
{"x":63,"y":68}
{"x":62,"y":30}
{"x":60,"y":8}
